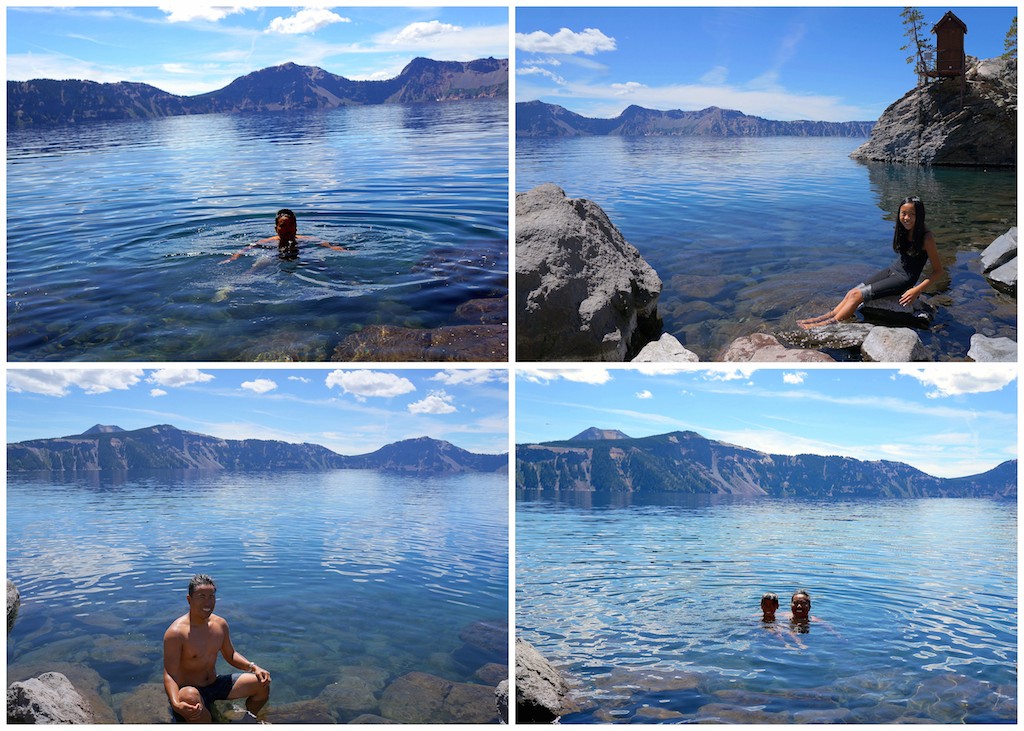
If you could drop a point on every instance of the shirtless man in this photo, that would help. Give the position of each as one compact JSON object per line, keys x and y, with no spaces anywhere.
{"x":287,"y":238}
{"x":191,"y":645}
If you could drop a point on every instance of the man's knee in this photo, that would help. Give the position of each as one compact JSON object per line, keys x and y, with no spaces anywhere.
{"x":190,"y":695}
{"x":261,"y":692}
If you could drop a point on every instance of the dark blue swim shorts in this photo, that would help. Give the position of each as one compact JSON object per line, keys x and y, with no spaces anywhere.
{"x":218,"y":690}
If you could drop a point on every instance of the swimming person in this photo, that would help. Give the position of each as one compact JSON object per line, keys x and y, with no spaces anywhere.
{"x":915,"y":245}
{"x":191,"y":645}
{"x":800,"y":607}
{"x":286,"y":227}
{"x":769,"y":604}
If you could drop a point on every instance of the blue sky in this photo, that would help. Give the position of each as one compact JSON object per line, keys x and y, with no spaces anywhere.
{"x":948,"y":420}
{"x":820,"y":63}
{"x":348,"y":410}
{"x":189,"y":49}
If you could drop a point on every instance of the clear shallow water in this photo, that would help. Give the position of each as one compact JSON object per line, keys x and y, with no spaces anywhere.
{"x":652,"y":606}
{"x":748,"y":235}
{"x":117,"y":232}
{"x":321,"y":576}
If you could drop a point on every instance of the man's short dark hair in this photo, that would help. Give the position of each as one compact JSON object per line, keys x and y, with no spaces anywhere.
{"x":285,"y":212}
{"x":201,"y":580}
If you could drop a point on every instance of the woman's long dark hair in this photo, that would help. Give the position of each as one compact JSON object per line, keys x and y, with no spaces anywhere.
{"x":912,"y":242}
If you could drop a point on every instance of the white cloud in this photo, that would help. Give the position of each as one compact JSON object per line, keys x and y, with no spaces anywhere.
{"x":365,"y":383}
{"x":185,"y":12}
{"x":471,"y":376}
{"x":155,"y":392}
{"x":589,"y":42}
{"x":175,"y":377}
{"x":416,"y":33}
{"x":736,"y":373}
{"x":307,"y":20}
{"x":537,"y":71}
{"x":260,"y":385}
{"x":955,"y":379}
{"x":645,"y":394}
{"x":300,"y":379}
{"x":659,"y":369}
{"x":628,"y":88}
{"x":438,"y":402}
{"x":795,"y":378}
{"x":716,"y":76}
{"x":58,"y":382}
{"x":595,"y":376}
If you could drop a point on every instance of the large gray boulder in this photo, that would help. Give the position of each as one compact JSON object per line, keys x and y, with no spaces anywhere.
{"x":928,"y":126}
{"x":1004,"y":278}
{"x":582,"y":291}
{"x":893,"y":345}
{"x":50,"y":698}
{"x":13,"y":604}
{"x":889,"y":311}
{"x":1000,"y":251}
{"x":541,"y":691}
{"x":992,"y":350}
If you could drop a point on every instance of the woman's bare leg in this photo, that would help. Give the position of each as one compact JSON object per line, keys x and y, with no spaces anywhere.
{"x":844,"y":310}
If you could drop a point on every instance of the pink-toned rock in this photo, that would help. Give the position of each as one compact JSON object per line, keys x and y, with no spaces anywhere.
{"x":764,"y":348}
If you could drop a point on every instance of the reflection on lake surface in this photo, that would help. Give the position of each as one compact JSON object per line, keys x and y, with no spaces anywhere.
{"x":652,"y":607}
{"x":118,"y":232}
{"x":353,"y":577}
{"x":749,"y":234}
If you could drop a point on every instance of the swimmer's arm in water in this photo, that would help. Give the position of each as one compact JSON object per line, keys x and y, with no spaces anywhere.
{"x":257,"y":245}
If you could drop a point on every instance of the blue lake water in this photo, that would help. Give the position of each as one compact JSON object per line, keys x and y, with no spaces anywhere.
{"x":117,"y":232}
{"x":748,"y":235}
{"x":652,"y":607}
{"x":323,"y":577}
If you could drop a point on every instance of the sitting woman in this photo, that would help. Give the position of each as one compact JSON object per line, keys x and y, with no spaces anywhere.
{"x":915,"y":245}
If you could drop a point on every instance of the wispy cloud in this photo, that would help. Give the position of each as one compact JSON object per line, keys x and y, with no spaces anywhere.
{"x":60,"y":381}
{"x":957,"y":379}
{"x":594,"y":376}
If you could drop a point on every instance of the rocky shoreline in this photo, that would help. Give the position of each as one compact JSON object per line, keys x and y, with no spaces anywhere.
{"x":584,"y":293}
{"x":47,"y":691}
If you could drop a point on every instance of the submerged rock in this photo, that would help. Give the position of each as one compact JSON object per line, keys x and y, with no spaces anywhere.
{"x":665,"y":350}
{"x":894,"y":345}
{"x":992,"y":350}
{"x":761,"y":347}
{"x":50,"y":698}
{"x":146,"y":704}
{"x":310,"y":711}
{"x":348,"y":698}
{"x":483,"y":642}
{"x":582,"y":291}
{"x":423,"y":698}
{"x":486,"y":311}
{"x":453,"y":343}
{"x":13,"y":604}
{"x":928,"y":126}
{"x":541,"y":691}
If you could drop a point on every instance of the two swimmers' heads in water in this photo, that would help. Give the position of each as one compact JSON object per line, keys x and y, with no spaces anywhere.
{"x":800,"y":606}
{"x":910,"y":228}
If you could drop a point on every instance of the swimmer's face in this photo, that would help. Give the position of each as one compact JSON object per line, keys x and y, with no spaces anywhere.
{"x":285,"y":227}
{"x":801,"y":606}
{"x":768,"y":606}
{"x":203,"y":599}
{"x":908,"y":216}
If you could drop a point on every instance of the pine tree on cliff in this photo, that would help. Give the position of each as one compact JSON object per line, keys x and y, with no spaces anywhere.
{"x":1010,"y":44}
{"x":917,"y":42}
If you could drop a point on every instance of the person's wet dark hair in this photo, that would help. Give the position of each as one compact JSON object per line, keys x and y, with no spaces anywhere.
{"x":200,"y":580}
{"x":804,"y":592}
{"x":772,"y":598}
{"x":285,"y":213}
{"x":901,"y":238}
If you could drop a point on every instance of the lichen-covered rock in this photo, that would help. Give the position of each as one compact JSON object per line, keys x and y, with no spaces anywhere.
{"x":50,"y":698}
{"x":13,"y":604}
{"x":667,"y":349}
{"x":992,"y":350}
{"x":928,"y":126}
{"x":764,"y":348}
{"x":894,"y":345}
{"x":540,"y":689}
{"x":582,"y":291}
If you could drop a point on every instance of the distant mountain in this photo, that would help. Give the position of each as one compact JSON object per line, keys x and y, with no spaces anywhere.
{"x":593,"y":433}
{"x":686,"y":462}
{"x":538,"y":119}
{"x":167,"y":447}
{"x":289,"y":86}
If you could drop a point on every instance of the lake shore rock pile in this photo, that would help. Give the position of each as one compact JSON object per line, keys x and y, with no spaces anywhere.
{"x":928,"y":126}
{"x":582,"y":291}
{"x":50,"y":698}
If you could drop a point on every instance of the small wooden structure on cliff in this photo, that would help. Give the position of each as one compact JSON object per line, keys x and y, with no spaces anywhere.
{"x":950,"y":59}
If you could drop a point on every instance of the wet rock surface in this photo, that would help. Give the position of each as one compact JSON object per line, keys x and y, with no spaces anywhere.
{"x":889,"y":311}
{"x":582,"y":291}
{"x":423,"y":698}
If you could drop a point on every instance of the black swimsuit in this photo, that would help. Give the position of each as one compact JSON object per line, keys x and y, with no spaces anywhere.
{"x":900,"y":276}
